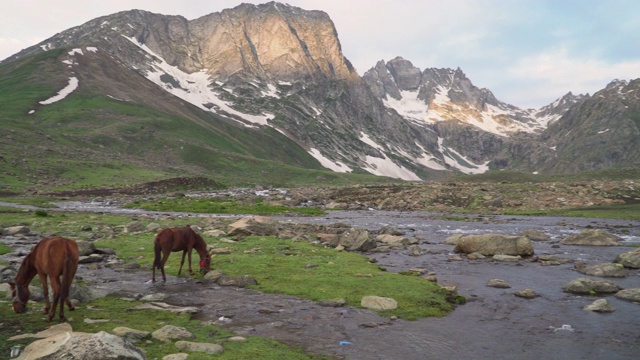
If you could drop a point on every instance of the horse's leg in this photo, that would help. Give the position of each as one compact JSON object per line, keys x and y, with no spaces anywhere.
{"x":55,"y":287}
{"x":190,"y":250}
{"x":184,"y":252}
{"x":45,"y":292}
{"x":165,"y":256}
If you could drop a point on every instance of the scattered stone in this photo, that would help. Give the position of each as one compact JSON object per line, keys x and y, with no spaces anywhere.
{"x":356,"y":240}
{"x":498,"y":283}
{"x":600,"y":305}
{"x":629,"y":259}
{"x":629,"y":294}
{"x":237,"y":338}
{"x":592,"y":238}
{"x":154,"y":297}
{"x":207,"y":348}
{"x":588,"y":286}
{"x":494,"y":244}
{"x":526,"y":293}
{"x":431,"y":278}
{"x":476,"y":256}
{"x":604,"y":270}
{"x":378,"y":303}
{"x":506,"y":258}
{"x":169,"y":333}
{"x":213,"y":275}
{"x":85,"y":248}
{"x":135,"y":227}
{"x":178,"y":356}
{"x":215,"y":233}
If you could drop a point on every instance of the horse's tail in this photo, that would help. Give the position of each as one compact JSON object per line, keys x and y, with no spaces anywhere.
{"x":70,"y":268}
{"x":157,"y":250}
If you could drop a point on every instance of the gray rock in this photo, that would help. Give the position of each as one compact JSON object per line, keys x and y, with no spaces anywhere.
{"x":498,"y":283}
{"x":605,"y":270}
{"x":629,"y":294}
{"x":588,"y":286}
{"x":15,"y":230}
{"x":77,"y":345}
{"x":378,"y":303}
{"x":131,"y":335}
{"x":506,"y":258}
{"x":629,"y":259}
{"x":169,"y":333}
{"x":526,"y":293}
{"x":356,"y":240}
{"x":592,"y":238}
{"x":494,"y":244}
{"x":85,"y":248}
{"x":600,"y":305}
{"x":254,"y":225}
{"x":178,"y":356}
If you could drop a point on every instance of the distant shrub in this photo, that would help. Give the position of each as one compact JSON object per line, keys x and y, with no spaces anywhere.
{"x":41,"y":213}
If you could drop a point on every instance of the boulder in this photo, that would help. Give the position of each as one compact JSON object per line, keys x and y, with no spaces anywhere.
{"x":605,"y":270}
{"x":600,"y":305}
{"x":629,"y":259}
{"x":629,"y":294}
{"x":356,"y":240}
{"x":378,"y":303}
{"x":85,"y":248}
{"x":15,"y":230}
{"x":592,"y":238}
{"x":588,"y":286}
{"x":254,"y":225}
{"x":453,"y":239}
{"x":526,"y":294}
{"x":78,"y":345}
{"x":169,"y":333}
{"x":135,"y":227}
{"x":498,"y":283}
{"x":494,"y":244}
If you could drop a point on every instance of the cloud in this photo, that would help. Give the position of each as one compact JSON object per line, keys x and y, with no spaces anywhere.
{"x":551,"y":74}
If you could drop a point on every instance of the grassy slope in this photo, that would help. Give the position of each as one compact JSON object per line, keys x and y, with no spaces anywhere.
{"x":90,"y":139}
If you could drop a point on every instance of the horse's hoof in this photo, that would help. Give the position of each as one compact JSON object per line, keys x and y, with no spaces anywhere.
{"x":49,"y":318}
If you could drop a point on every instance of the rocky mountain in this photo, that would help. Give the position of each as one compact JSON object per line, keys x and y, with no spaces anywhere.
{"x":253,"y":69}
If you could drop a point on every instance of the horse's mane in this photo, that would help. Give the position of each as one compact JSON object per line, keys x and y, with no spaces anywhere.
{"x":26,"y":268}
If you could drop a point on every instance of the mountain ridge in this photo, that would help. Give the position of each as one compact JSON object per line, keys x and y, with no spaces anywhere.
{"x":281,"y":67}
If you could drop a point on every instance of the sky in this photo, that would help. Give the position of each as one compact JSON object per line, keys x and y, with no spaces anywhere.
{"x":527,"y":52}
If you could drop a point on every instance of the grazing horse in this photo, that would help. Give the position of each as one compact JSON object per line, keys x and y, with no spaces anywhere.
{"x":53,"y":258}
{"x":177,"y":239}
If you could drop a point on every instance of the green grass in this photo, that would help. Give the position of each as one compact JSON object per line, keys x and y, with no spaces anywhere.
{"x":209,"y":206}
{"x":615,"y":211}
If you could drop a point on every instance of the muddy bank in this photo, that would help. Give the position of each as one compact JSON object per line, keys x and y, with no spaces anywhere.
{"x":493,"y":324}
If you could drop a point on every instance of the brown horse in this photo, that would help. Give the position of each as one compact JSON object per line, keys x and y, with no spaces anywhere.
{"x":52,"y":257}
{"x":177,"y":239}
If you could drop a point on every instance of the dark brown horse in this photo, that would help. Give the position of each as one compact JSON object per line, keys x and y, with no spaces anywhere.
{"x":53,"y":258}
{"x":179,"y":239}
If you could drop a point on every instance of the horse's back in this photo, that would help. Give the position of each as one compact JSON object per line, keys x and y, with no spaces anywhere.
{"x":52,"y":253}
{"x":175,"y":239}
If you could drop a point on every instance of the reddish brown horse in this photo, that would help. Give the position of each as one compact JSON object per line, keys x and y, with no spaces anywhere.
{"x":53,"y":258}
{"x":177,"y":239}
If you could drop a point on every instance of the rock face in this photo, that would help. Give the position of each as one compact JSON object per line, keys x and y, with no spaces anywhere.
{"x":592,"y":238}
{"x":76,"y":345}
{"x":494,"y":244}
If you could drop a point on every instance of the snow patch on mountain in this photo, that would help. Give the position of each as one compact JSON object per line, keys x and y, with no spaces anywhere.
{"x":195,"y":88}
{"x":328,"y":163}
{"x":460,"y":162}
{"x":73,"y":84}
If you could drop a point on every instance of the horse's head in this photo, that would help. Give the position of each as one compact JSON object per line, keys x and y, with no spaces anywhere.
{"x":20,"y":296}
{"x":205,"y":264}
